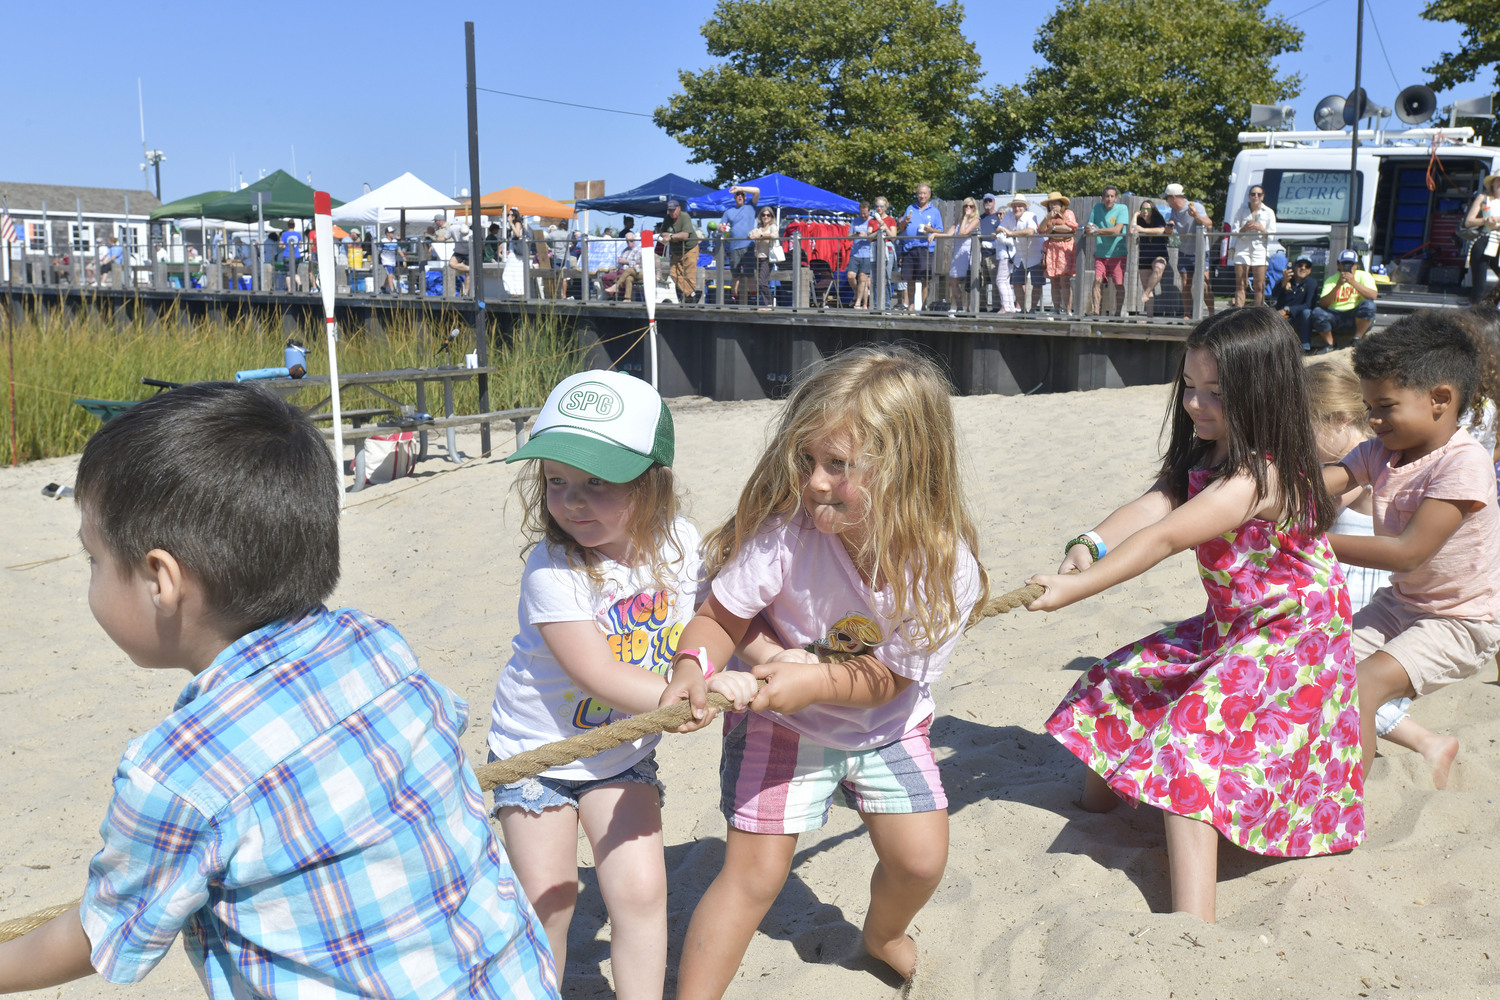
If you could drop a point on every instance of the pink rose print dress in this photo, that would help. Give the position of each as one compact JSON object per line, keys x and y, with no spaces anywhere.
{"x":1246,"y":716}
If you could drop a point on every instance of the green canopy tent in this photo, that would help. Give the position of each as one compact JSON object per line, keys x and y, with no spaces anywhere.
{"x":285,"y":197}
{"x":186,"y":208}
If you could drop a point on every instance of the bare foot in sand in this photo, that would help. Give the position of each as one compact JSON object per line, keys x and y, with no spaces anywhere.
{"x":900,"y":955}
{"x":1438,"y":749}
{"x":1097,"y":796}
{"x":1439,"y":755}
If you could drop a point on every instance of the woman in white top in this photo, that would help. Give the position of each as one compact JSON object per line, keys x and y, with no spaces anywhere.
{"x":1483,"y":222}
{"x":1254,"y":224}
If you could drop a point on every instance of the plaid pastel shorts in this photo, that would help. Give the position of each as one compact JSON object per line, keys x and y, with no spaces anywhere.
{"x":774,"y":780}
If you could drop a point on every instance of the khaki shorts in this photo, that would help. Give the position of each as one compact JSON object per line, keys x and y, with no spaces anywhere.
{"x":1434,"y":650}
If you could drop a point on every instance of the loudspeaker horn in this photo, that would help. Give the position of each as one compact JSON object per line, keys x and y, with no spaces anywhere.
{"x":1271,"y":115}
{"x":1328,"y":115}
{"x":1475,"y":107}
{"x":1415,"y":104}
{"x":1356,"y":106}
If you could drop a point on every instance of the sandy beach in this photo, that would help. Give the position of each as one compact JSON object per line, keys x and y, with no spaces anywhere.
{"x":1040,"y":899}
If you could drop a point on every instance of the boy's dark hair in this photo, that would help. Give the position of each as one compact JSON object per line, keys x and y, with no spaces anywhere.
{"x":1264,"y":390}
{"x":1431,"y":347}
{"x":235,"y":483}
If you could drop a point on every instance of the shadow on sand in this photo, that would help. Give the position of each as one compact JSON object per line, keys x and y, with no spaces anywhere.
{"x":984,"y":764}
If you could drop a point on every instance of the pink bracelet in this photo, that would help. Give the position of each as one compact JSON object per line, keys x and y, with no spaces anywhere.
{"x":701,"y":655}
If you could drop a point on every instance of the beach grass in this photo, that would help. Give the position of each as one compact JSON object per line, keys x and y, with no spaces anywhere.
{"x":60,"y":357}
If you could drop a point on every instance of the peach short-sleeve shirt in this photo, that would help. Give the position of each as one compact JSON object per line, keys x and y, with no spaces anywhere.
{"x":1462,"y":579}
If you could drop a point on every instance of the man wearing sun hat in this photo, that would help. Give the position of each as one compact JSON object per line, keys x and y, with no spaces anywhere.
{"x":1019,"y":225}
{"x":609,"y":424}
{"x":1187,"y":219}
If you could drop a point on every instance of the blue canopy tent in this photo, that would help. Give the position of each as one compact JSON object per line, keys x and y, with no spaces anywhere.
{"x":648,"y":199}
{"x":780,"y":192}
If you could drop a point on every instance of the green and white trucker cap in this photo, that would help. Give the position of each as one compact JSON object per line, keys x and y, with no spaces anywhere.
{"x":609,"y":424}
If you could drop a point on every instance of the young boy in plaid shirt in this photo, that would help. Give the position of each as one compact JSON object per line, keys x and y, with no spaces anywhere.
{"x":305,"y":818}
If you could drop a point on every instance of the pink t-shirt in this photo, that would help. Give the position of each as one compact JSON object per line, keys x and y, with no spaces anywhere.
{"x":1462,"y":579}
{"x":812,"y":595}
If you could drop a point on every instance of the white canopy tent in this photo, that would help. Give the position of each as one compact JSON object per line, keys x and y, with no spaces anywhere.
{"x":385,"y":205}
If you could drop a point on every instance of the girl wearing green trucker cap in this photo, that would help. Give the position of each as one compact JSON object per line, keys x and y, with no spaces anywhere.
{"x":612,"y":574}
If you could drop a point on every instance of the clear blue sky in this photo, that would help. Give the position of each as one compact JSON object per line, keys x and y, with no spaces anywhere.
{"x":365,"y":90}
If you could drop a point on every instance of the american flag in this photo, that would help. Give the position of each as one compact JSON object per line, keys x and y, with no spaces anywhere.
{"x":7,"y":228}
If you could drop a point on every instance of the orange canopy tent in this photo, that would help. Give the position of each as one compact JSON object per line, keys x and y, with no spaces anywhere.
{"x":524,"y":201}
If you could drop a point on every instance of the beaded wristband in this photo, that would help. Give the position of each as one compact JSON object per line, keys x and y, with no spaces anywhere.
{"x":1086,"y":542}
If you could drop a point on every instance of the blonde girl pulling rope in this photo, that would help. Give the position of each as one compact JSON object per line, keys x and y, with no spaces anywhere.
{"x":852,"y":537}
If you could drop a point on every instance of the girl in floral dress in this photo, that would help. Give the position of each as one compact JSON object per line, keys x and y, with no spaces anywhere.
{"x":1241,"y":721}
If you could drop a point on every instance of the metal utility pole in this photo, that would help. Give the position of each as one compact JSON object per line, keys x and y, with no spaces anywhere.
{"x":154,"y":158}
{"x":1354,"y":192}
{"x":476,"y":238}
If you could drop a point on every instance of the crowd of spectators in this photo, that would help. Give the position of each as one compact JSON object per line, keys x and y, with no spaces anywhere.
{"x":1001,"y":252}
{"x":1031,"y":241}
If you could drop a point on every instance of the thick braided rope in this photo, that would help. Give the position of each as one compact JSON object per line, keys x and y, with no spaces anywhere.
{"x":533,"y":762}
{"x":15,"y":928}
{"x":1018,"y":598}
{"x":595,"y":741}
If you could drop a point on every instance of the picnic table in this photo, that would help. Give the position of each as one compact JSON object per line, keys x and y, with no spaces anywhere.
{"x":403,"y":416}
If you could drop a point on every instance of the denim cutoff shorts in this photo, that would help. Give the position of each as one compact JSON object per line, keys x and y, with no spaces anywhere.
{"x":540,"y":792}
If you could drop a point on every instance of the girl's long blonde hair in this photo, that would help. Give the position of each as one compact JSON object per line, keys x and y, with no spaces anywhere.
{"x":894,"y":404}
{"x":1334,"y":394}
{"x":653,"y":511}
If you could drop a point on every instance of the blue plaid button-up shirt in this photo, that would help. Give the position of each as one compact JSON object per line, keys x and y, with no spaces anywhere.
{"x":307,"y":820}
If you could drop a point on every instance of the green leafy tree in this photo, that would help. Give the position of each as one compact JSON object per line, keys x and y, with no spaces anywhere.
{"x":862,"y":97}
{"x":992,"y":140}
{"x":1143,"y":93}
{"x":1481,"y":50}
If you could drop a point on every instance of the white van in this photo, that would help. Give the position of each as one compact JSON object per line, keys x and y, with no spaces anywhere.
{"x":1401,"y":224}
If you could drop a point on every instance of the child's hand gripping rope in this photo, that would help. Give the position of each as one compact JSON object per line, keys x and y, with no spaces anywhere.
{"x":668,"y":718}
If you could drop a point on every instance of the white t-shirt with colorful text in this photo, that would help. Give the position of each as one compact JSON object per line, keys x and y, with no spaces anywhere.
{"x":536,"y":702}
